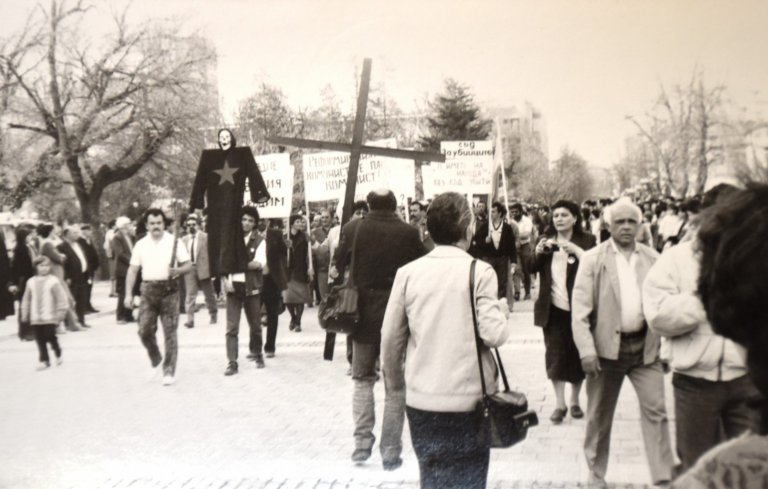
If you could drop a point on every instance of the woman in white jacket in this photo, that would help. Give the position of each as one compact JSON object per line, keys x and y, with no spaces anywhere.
{"x":429,"y":356}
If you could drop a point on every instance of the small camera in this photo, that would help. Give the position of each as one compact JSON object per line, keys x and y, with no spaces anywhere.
{"x":551,"y":247}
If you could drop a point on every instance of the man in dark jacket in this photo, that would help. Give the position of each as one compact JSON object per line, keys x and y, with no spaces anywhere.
{"x":497,"y":247}
{"x":382,"y":244}
{"x":76,"y":270}
{"x":86,"y":244}
{"x":243,"y":290}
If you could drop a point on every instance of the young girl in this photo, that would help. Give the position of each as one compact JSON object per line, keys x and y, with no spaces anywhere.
{"x":44,"y":305}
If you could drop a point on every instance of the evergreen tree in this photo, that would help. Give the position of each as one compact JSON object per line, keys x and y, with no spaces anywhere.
{"x":455,"y":117}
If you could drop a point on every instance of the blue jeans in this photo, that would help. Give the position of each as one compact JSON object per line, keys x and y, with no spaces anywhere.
{"x":364,"y":356}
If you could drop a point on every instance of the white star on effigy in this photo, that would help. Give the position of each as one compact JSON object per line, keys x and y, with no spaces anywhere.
{"x":226,"y":174}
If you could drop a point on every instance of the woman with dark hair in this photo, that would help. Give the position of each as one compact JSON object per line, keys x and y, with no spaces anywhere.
{"x":733,"y":245}
{"x":299,"y":276}
{"x":21,"y":270}
{"x":429,"y":323}
{"x":557,"y":260}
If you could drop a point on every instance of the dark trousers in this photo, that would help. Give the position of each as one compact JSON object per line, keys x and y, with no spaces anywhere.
{"x":80,"y":293}
{"x":272,"y":298}
{"x":160,"y":299}
{"x":236,"y":302}
{"x":704,"y":409}
{"x":122,"y":312}
{"x":44,"y":334}
{"x":500,"y":265}
{"x":88,"y":293}
{"x":447,"y":448}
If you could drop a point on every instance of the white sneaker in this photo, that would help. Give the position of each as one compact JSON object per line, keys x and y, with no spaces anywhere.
{"x":168,"y":380}
{"x":155,"y":373}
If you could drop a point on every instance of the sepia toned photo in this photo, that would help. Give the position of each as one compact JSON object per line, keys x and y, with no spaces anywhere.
{"x":291,"y":244}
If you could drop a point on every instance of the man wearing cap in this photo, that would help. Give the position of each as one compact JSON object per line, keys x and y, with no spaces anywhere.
{"x":122,"y":245}
{"x":614,"y":342}
{"x":196,"y":243}
{"x":161,"y":260}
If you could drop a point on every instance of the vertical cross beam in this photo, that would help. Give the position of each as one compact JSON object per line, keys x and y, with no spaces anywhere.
{"x":357,"y":142}
{"x":354,"y":165}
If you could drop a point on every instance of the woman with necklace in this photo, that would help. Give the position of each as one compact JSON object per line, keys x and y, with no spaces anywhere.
{"x":557,"y":260}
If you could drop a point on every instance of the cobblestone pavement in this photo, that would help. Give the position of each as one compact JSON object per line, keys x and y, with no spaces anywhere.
{"x":98,"y":421}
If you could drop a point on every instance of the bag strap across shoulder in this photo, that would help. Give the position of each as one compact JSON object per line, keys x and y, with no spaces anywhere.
{"x":478,"y":341}
{"x":351,"y":281}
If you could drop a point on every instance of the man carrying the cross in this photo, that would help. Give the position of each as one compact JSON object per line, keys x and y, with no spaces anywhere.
{"x":382,"y":244}
{"x":161,"y":260}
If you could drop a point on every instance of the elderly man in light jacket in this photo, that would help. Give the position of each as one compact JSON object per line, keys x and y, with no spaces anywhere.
{"x":614,"y":342}
{"x":711,"y":386}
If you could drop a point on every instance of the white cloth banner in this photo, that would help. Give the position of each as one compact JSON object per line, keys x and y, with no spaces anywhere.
{"x":468,"y":168}
{"x":277,"y":172}
{"x":325,"y":175}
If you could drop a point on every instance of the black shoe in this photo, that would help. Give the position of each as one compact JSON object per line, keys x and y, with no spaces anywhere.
{"x":189,"y":325}
{"x":156,"y":361}
{"x":292,"y":326}
{"x":517,"y":296}
{"x":360,"y":455}
{"x":297,"y":329}
{"x":231,"y":369}
{"x":251,"y":356}
{"x":392,"y":464}
{"x":260,"y":361}
{"x":527,"y":297}
{"x":576,"y":412}
{"x":214,"y":318}
{"x":558,"y":415}
{"x":269,"y":354}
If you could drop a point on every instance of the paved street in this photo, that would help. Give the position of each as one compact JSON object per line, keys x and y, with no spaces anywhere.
{"x":98,"y":421}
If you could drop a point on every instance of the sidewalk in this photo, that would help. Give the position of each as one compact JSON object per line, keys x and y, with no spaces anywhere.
{"x":97,"y":421}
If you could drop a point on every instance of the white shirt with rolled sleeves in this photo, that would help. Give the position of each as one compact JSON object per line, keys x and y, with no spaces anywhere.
{"x":154,"y":256}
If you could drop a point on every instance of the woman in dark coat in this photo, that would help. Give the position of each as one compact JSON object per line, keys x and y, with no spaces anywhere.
{"x":21,"y":270}
{"x":298,"y":293}
{"x":557,"y":260}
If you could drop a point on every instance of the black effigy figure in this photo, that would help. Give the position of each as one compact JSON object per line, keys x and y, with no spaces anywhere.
{"x":221,"y":177}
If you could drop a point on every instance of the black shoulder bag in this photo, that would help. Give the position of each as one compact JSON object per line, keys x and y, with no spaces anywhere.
{"x":504,"y":417}
{"x":338,"y":311}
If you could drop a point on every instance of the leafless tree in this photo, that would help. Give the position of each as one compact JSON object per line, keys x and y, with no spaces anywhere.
{"x":681,"y":132}
{"x":104,"y":108}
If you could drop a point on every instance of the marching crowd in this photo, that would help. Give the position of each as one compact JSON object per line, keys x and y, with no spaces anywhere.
{"x":625,"y":290}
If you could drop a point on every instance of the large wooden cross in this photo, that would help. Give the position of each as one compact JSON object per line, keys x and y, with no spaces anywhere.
{"x":356,"y":148}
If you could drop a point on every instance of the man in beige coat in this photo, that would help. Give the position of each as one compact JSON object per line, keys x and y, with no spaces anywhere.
{"x":196,"y":243}
{"x":614,"y":342}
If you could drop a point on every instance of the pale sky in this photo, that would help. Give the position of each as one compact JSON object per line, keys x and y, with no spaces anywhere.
{"x":584,"y":64}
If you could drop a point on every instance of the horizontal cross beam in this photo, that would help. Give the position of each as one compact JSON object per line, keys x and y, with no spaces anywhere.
{"x":371,"y":150}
